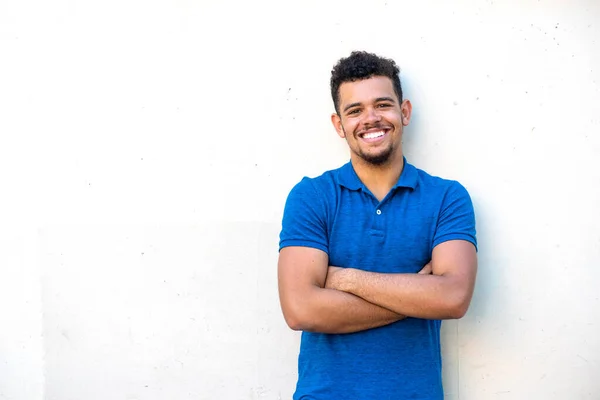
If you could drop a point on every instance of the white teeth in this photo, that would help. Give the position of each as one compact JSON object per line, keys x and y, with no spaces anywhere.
{"x":373,"y":135}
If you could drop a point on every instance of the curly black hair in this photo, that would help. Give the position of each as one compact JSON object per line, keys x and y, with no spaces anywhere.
{"x":362,"y":65}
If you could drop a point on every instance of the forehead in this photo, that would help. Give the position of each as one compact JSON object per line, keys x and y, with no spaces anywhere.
{"x":366,"y":90}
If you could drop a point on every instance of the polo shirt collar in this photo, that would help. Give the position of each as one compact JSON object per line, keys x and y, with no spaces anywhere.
{"x":408,"y":177}
{"x":347,"y":177}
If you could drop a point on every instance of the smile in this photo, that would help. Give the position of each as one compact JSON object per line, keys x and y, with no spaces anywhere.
{"x":373,"y":135}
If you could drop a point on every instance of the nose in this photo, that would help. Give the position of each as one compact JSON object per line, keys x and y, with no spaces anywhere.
{"x":371,"y":116}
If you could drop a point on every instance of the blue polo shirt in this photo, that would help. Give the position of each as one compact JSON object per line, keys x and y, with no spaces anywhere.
{"x":336,"y":213}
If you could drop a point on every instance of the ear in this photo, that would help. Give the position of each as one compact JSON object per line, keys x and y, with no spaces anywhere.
{"x":337,"y":124}
{"x":406,"y":111}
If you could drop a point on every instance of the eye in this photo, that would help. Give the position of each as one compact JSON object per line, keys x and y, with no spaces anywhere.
{"x":384,"y":105}
{"x":354,"y":111}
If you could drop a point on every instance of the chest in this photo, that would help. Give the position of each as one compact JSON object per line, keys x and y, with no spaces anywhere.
{"x":394,"y":235}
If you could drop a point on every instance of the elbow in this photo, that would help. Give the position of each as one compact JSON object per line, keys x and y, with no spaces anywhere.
{"x":458,"y":311}
{"x":301,"y":312}
{"x":456,"y":299}
{"x":295,"y":324}
{"x":458,"y":306}
{"x":292,"y":321}
{"x":298,"y":324}
{"x":296,"y":319}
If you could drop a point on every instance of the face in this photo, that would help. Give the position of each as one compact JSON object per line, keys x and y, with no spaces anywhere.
{"x":371,"y":119}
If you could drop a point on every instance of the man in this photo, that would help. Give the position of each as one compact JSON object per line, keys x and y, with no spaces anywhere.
{"x":374,"y":254}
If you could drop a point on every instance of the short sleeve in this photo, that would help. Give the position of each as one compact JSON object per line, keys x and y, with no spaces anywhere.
{"x":457,"y":217}
{"x":304,"y":218}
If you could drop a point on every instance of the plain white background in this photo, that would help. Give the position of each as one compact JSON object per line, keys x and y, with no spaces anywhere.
{"x":147,"y":149}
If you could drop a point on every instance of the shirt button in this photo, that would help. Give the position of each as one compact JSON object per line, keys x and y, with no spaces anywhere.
{"x":378,"y":212}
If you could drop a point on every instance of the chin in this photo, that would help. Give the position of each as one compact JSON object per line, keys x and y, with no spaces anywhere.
{"x":377,"y":159}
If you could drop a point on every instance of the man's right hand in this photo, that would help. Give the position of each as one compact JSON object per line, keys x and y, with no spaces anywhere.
{"x":427,"y":269}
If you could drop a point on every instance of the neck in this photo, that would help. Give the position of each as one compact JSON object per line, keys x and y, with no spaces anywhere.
{"x":379,"y":179}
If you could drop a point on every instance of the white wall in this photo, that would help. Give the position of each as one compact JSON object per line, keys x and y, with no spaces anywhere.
{"x":147,"y":148}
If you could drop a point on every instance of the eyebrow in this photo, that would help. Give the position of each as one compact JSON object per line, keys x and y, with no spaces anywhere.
{"x":377,"y":100}
{"x":349,"y":106}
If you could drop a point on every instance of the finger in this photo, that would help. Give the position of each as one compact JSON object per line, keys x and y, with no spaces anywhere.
{"x":426,"y":269}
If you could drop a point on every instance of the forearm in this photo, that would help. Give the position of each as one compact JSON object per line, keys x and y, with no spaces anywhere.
{"x":414,"y":295}
{"x":333,"y":311}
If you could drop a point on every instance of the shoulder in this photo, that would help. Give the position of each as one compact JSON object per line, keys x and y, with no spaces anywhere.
{"x":319,"y":186}
{"x":441,"y":195}
{"x":438,"y":185}
{"x":452,"y":205}
{"x":307,"y":210}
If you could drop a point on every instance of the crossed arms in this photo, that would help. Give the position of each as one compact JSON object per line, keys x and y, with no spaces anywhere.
{"x":317,"y":297}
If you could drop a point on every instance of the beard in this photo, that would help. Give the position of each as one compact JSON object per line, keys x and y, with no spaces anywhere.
{"x":376,"y":159}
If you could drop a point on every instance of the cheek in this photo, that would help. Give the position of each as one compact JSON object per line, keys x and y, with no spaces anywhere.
{"x":347,"y":128}
{"x":341,"y":131}
{"x":350,"y":126}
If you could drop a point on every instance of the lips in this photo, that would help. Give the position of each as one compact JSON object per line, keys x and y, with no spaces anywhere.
{"x":374,"y":134}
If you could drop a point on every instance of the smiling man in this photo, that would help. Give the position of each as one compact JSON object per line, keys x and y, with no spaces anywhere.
{"x":373,"y":255}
